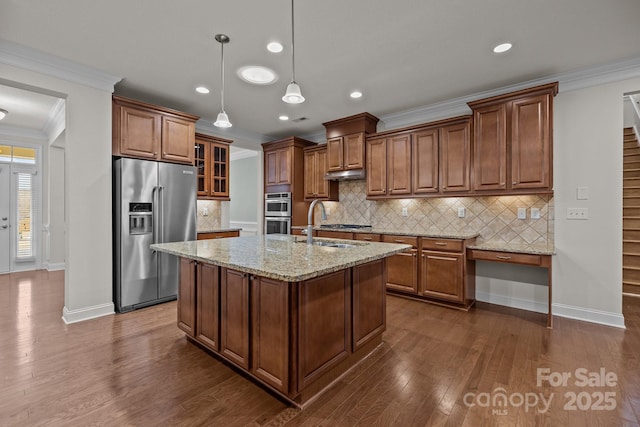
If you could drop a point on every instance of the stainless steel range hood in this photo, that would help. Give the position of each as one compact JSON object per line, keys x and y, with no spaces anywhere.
{"x":347,"y":175}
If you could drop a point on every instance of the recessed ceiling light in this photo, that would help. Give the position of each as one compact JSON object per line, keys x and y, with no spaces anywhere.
{"x":284,"y":118}
{"x":3,"y":113}
{"x":202,"y":89}
{"x":257,"y":75}
{"x":501,"y":48}
{"x":356,"y":94}
{"x":275,"y":47}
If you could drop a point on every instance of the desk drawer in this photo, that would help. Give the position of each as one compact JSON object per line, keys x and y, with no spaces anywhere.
{"x":515,"y":258}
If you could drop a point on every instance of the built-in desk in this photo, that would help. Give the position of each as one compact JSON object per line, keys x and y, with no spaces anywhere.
{"x":537,"y":256}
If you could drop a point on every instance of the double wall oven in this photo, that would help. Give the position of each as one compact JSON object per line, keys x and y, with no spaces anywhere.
{"x":277,"y":213}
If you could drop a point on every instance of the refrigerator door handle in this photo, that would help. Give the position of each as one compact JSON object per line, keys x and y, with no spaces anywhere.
{"x":154,"y":213}
{"x":161,"y":204}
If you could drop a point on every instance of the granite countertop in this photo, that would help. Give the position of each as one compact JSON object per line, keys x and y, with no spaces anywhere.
{"x":533,"y":249}
{"x":280,"y":257}
{"x":375,"y":230}
{"x":218,"y":230}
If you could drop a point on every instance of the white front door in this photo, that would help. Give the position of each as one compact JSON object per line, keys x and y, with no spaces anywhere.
{"x":5,"y":225}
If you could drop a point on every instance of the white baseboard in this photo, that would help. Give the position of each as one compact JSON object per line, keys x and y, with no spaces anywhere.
{"x":55,"y":266}
{"x":589,"y":315}
{"x":507,"y":301}
{"x":74,"y":316}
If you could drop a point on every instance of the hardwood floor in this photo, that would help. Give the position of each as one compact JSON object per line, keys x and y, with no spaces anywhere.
{"x":137,"y":369}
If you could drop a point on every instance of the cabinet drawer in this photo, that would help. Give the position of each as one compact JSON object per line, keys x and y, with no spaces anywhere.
{"x":218,"y":235}
{"x":335,"y":234}
{"x":407,"y":240}
{"x":515,"y":258}
{"x":368,"y":237}
{"x":442,"y":244}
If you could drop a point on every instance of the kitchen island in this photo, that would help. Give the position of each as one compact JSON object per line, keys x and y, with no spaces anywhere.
{"x":293,"y":316}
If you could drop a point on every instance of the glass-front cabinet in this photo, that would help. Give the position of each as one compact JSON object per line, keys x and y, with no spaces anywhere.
{"x":212,"y":165}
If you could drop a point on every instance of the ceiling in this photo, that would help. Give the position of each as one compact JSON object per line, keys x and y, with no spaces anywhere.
{"x":402,"y":54}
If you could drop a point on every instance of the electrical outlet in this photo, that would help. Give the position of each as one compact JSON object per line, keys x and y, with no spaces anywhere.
{"x":205,"y":211}
{"x":522,"y":213}
{"x":577,"y":213}
{"x":405,"y":212}
{"x":535,"y":213}
{"x":461,"y":212}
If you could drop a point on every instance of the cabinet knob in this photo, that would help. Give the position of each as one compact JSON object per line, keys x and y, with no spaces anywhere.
{"x":164,"y":153}
{"x":514,"y":183}
{"x":155,"y":154}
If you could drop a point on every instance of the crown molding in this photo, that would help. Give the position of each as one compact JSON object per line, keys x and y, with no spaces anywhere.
{"x":241,"y":153}
{"x":241,"y":138}
{"x":21,"y":56}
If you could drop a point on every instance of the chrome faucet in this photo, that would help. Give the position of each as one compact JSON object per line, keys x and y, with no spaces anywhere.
{"x":309,"y":225}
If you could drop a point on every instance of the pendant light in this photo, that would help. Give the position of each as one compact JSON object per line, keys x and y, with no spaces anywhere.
{"x":222,"y":121}
{"x":293,"y":94}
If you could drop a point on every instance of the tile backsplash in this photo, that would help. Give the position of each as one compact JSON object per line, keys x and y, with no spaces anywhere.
{"x":213,"y":218}
{"x":493,"y":217}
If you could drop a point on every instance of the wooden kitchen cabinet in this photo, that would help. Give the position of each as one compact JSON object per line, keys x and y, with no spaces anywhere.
{"x":402,"y":268}
{"x":367,"y":237}
{"x":234,"y":316}
{"x":425,"y":167}
{"x":208,"y":305}
{"x":455,"y":157}
{"x":278,"y":166}
{"x":270,"y":306}
{"x":332,"y":234}
{"x":368,"y":291}
{"x":218,"y":235}
{"x":187,"y":297}
{"x":389,"y":166}
{"x":377,"y":167}
{"x":151,"y":132}
{"x":345,"y":152}
{"x":315,"y":167}
{"x":212,"y":165}
{"x":512,"y":142}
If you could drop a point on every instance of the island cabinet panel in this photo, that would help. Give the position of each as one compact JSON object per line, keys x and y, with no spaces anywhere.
{"x":270,"y":331}
{"x":324,"y":325}
{"x":369,"y":284}
{"x":187,"y":297}
{"x":234,"y":319}
{"x":208,"y":307}
{"x":455,"y":156}
{"x":402,"y":268}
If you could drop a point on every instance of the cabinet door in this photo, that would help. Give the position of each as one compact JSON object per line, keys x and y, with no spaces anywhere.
{"x":208,"y":312}
{"x":178,"y":139}
{"x":455,"y":156}
{"x":402,"y":271}
{"x":322,"y":185}
{"x":270,"y":332}
{"x":219,"y":170}
{"x":234,"y":316}
{"x":310,"y":176}
{"x":490,"y":148}
{"x":284,"y":166}
{"x":368,"y":292}
{"x":425,"y":161}
{"x":354,"y":151}
{"x":335,"y":151}
{"x":377,"y":167}
{"x":442,"y":276}
{"x":531,"y":143}
{"x":271,"y":166}
{"x":399,"y":164}
{"x":187,"y":297}
{"x":201,"y":162}
{"x":140,"y":133}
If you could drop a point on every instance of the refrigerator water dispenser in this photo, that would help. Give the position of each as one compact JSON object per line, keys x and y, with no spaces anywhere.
{"x":140,"y":218}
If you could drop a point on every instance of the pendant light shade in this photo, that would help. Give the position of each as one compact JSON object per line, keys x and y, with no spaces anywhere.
{"x":293,"y":94}
{"x":222,"y":121}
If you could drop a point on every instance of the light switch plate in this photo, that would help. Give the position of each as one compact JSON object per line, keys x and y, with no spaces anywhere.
{"x":461,"y":212}
{"x":522,"y":213}
{"x":582,"y":193}
{"x":205,"y":211}
{"x":535,"y":213}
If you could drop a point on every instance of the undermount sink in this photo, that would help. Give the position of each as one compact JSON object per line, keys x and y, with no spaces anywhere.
{"x":333,"y":244}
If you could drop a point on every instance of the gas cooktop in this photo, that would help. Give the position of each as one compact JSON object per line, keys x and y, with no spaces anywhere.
{"x":340,"y":226}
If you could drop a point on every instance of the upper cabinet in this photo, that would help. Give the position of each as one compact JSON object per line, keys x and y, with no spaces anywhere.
{"x":146,"y":131}
{"x":278,"y":166}
{"x":431,"y":159}
{"x":315,"y":167}
{"x":345,"y":141}
{"x":212,"y":164}
{"x":513,"y":142}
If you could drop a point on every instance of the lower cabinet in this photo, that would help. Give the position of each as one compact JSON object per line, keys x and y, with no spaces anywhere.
{"x":187,"y":297}
{"x":234,"y":316}
{"x":368,"y":291}
{"x":442,"y":275}
{"x":402,"y":268}
{"x":208,"y":305}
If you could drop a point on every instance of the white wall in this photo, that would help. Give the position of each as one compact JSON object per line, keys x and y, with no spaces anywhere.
{"x":87,"y":181}
{"x":243,"y":208}
{"x":56,"y":244}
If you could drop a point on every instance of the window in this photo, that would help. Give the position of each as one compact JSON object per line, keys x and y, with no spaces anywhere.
{"x":25,"y":216}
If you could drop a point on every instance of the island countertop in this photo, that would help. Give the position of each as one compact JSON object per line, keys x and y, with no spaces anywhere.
{"x":280,"y":257}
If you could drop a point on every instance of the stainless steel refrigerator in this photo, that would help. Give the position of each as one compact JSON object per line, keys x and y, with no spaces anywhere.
{"x":153,"y":203}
